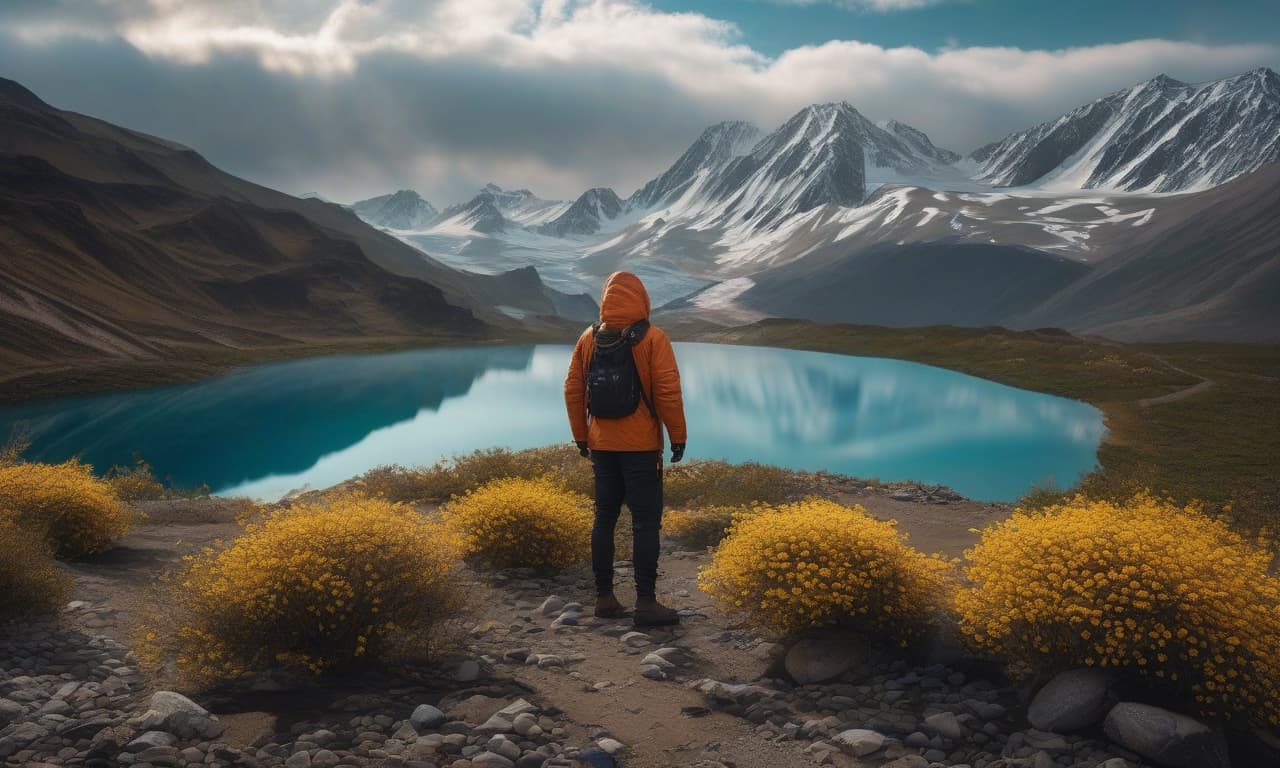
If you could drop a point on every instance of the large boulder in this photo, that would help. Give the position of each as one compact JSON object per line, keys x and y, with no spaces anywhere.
{"x":823,"y":655}
{"x":1072,"y":700}
{"x":1166,"y":738}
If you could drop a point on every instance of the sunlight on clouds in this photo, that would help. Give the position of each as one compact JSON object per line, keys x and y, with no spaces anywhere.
{"x":577,"y":93}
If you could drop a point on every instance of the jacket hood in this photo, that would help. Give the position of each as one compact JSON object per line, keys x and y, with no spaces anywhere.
{"x":623,"y":301}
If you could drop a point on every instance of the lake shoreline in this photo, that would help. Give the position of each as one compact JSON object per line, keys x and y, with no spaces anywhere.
{"x":106,"y":376}
{"x":1188,"y":447}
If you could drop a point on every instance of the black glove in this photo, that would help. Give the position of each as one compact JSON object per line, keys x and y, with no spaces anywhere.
{"x":583,"y":450}
{"x":677,"y":452}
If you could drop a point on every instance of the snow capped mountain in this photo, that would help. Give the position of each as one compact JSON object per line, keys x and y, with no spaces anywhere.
{"x":1158,"y":136}
{"x":497,"y":210}
{"x":587,"y":214}
{"x":919,"y":143}
{"x":481,"y":214}
{"x":400,"y":210}
{"x":827,"y":154}
{"x":523,"y":207}
{"x":714,"y":150}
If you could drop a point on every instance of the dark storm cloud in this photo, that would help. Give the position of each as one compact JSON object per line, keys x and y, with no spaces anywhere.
{"x":360,"y":135}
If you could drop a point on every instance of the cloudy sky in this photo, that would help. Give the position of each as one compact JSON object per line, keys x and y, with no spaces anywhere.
{"x":352,"y":98}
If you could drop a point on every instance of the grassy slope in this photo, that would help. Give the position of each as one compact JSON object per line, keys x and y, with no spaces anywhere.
{"x":1221,"y":444}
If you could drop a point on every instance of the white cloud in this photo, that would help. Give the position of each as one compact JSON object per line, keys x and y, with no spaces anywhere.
{"x":557,"y":95}
{"x":880,"y":6}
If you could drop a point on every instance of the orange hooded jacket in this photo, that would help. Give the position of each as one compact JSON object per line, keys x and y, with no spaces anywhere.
{"x":623,"y":302}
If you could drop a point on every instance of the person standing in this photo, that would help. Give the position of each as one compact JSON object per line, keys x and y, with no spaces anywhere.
{"x":622,"y":388}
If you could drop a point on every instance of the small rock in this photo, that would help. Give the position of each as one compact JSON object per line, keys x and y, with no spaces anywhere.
{"x":652,"y":672}
{"x":426,"y":717}
{"x":298,"y":760}
{"x":821,"y":656}
{"x":491,"y":760}
{"x":495,"y":724}
{"x":945,"y":724}
{"x":551,"y":606}
{"x":654,"y":660}
{"x":859,"y":741}
{"x":467,"y":671}
{"x":323,"y":758}
{"x":151,"y":739}
{"x":634,"y":639}
{"x":595,"y":758}
{"x":612,"y":746}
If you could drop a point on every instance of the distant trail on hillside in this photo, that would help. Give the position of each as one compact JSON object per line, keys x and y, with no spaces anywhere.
{"x":1181,"y":394}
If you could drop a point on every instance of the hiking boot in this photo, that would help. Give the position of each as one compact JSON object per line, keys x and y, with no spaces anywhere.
{"x":651,"y":613}
{"x":608,"y":607}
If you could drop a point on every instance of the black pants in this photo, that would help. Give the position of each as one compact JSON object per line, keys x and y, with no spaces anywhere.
{"x":633,"y":477}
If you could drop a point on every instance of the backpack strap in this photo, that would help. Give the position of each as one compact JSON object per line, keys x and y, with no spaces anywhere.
{"x":633,"y":334}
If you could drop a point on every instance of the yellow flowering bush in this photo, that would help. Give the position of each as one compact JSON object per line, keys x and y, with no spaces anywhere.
{"x":516,"y":522}
{"x":1151,"y":589}
{"x":77,"y":513}
{"x":816,"y":563}
{"x":30,"y":582}
{"x":703,"y":527}
{"x":314,"y":587}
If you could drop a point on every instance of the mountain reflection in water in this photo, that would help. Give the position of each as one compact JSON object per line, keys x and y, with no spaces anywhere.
{"x":312,"y":423}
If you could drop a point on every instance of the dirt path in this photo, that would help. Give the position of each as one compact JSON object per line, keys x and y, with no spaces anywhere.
{"x":1181,"y":394}
{"x":602,"y":691}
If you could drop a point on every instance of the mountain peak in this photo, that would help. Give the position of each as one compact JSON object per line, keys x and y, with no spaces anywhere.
{"x":1164,"y":81}
{"x":15,"y":93}
{"x":403,"y":209}
{"x":1162,"y":135}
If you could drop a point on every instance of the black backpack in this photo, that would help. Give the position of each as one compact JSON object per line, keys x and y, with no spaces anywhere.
{"x":613,"y":382}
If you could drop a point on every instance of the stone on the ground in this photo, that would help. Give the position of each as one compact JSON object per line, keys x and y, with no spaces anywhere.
{"x":298,"y":760}
{"x":821,"y":656}
{"x":654,"y":660}
{"x":1167,"y":738}
{"x":323,"y":758}
{"x":859,"y":741}
{"x":151,"y":739}
{"x":426,"y":717}
{"x":491,"y":760}
{"x":175,"y":713}
{"x":652,"y":672}
{"x":1072,"y":700}
{"x":495,"y":724}
{"x":551,"y":606}
{"x":634,"y":639}
{"x":516,"y":708}
{"x":595,"y":758}
{"x":467,"y":671}
{"x":612,"y":746}
{"x":945,"y":724}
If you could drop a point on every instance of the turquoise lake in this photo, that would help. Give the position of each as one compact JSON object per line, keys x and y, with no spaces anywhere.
{"x":274,"y":428}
